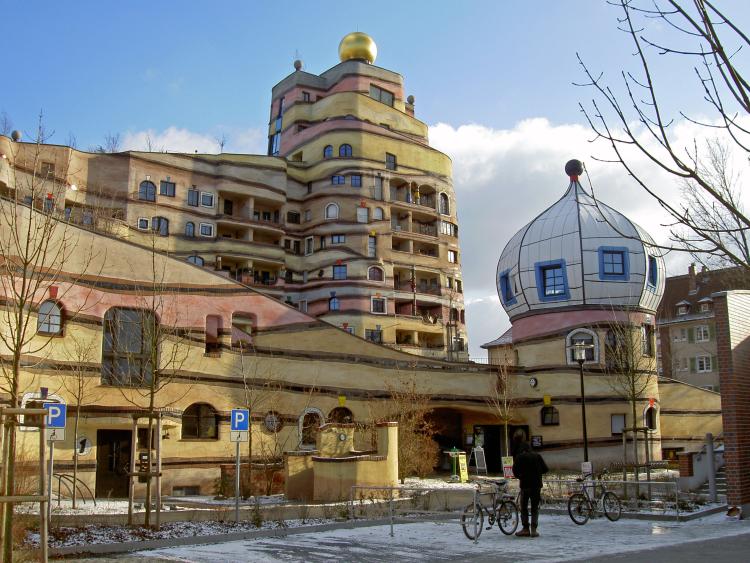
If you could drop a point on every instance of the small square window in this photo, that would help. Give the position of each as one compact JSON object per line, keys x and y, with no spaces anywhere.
{"x":207,"y":199}
{"x":207,"y":230}
{"x":339,"y":272}
{"x":705,"y":307}
{"x":617,"y":423}
{"x":550,"y":416}
{"x":338,"y":239}
{"x":452,"y":256}
{"x":305,"y":96}
{"x":682,"y":310}
{"x":338,"y":180}
{"x":192,"y":197}
{"x":378,"y":306}
{"x":551,"y":280}
{"x":614,"y":263}
{"x":374,"y":335}
{"x":702,"y":333}
{"x":167,"y":188}
{"x":356,"y":180}
{"x":390,"y":161}
{"x":703,"y":364}
{"x":143,"y":223}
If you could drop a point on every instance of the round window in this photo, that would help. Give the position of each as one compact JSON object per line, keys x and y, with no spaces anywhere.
{"x":272,"y":421}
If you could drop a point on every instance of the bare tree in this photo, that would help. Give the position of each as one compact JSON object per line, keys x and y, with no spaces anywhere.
{"x":221,"y":141}
{"x":6,"y":125}
{"x":630,"y":364}
{"x":81,"y":379}
{"x":42,"y":257}
{"x":146,"y":351}
{"x":111,"y":144}
{"x":410,"y":407}
{"x":502,"y":400}
{"x":640,"y":120}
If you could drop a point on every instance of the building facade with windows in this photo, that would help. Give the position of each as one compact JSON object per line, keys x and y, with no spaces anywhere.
{"x":581,"y":273}
{"x":687,"y":342}
{"x":351,"y":217}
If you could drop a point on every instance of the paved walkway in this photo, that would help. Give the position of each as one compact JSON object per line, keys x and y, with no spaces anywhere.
{"x":561,"y":540}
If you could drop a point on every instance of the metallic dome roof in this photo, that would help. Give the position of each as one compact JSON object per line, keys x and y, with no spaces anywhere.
{"x":580,"y":234}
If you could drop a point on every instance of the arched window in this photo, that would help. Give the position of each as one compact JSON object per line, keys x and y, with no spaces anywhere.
{"x":377,"y":214}
{"x":445,"y":206}
{"x":126,"y":351}
{"x":649,"y":417}
{"x":587,"y":338}
{"x":341,"y":414}
{"x":345,"y":150}
{"x":272,"y":422}
{"x":160,"y":225}
{"x":332,"y":211}
{"x":147,"y":191}
{"x":333,"y":304}
{"x":49,"y":320}
{"x":195,"y":259}
{"x":328,"y":151}
{"x":375,"y":274}
{"x":190,"y":229}
{"x":200,"y":421}
{"x":309,"y":426}
{"x":550,"y":416}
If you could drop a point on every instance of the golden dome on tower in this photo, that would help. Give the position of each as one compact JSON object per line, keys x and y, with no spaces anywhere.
{"x":358,"y":45}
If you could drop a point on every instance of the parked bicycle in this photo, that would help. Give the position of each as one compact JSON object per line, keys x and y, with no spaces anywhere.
{"x":501,"y":508}
{"x":582,"y":506}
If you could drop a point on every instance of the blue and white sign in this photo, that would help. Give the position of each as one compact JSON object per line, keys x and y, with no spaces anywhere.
{"x":56,"y":415}
{"x":239,"y":428}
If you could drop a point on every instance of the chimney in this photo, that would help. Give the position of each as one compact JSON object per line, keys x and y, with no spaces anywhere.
{"x":692,"y":286}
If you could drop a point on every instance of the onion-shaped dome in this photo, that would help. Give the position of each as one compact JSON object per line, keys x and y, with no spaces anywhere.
{"x":359,"y":46}
{"x":579,"y":253}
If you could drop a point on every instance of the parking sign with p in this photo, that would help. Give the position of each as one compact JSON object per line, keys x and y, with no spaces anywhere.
{"x":56,"y":415}
{"x":239,"y":428}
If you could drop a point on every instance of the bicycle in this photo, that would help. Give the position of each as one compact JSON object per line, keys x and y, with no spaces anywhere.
{"x":502,"y":510}
{"x":581,"y":506}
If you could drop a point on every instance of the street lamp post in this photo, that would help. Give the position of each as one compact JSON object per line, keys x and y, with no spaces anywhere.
{"x":579,"y":351}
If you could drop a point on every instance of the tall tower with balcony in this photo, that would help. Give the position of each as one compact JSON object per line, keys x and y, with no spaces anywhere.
{"x":371,"y":231}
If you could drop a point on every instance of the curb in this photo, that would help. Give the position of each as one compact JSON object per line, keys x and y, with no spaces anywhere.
{"x":147,"y":545}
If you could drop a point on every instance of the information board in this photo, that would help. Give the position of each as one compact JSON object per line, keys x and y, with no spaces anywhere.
{"x":480,"y":461}
{"x":508,"y":467}
{"x":462,"y":468}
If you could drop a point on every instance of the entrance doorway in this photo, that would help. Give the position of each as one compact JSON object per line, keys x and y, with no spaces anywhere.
{"x":112,"y":463}
{"x":492,"y":439}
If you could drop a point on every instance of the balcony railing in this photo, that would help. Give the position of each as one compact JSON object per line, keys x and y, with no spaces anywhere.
{"x":418,"y":288}
{"x":422,"y":201}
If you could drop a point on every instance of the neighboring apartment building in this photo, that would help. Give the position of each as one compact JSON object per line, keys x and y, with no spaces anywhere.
{"x":351,"y":217}
{"x":686,"y":343}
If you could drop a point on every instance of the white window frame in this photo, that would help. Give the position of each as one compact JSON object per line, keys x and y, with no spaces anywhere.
{"x":331,"y":206}
{"x":200,"y":229}
{"x":300,"y":422}
{"x":213,"y":199}
{"x":372,"y":305}
{"x":682,"y":310}
{"x":702,"y":333}
{"x":569,"y":345}
{"x":146,"y":221}
{"x":705,"y":307}
{"x":706,"y":361}
{"x":309,"y":245}
{"x":453,"y":256}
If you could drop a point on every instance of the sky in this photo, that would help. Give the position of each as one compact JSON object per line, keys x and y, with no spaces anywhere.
{"x":494,"y":80}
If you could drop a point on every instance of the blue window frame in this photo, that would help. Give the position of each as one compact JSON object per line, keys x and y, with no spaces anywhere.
{"x":339,"y":272}
{"x":356,"y":181}
{"x":552,"y":281}
{"x":614,"y":263}
{"x":328,"y":151}
{"x":653,"y":271}
{"x":334,"y":304}
{"x":506,"y":289}
{"x":338,"y":180}
{"x":345,"y":150}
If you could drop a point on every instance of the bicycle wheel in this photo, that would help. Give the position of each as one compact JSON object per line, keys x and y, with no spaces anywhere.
{"x":506,"y":514}
{"x":612,"y":506}
{"x":472,"y":521}
{"x":579,"y":508}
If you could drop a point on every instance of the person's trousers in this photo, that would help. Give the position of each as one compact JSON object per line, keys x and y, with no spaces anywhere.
{"x":530,"y":495}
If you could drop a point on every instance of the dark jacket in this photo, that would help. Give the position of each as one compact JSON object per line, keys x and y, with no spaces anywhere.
{"x":528,"y":468}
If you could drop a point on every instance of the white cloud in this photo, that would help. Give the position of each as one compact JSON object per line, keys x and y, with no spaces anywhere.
{"x":176,"y":139}
{"x":505,"y":177}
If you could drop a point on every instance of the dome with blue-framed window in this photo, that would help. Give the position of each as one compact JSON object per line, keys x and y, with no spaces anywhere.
{"x":579,"y":253}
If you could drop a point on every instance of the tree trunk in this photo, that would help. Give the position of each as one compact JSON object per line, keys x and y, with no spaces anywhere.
{"x":9,"y":461}
{"x":147,"y":520}
{"x":507,"y":444}
{"x":75,"y":454}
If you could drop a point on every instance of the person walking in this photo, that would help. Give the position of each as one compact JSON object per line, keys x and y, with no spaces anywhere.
{"x":528,"y":468}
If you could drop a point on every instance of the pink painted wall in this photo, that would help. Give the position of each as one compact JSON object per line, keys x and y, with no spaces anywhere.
{"x":550,"y":323}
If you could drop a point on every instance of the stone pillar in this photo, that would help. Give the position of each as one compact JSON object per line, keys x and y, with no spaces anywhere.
{"x":732,"y":316}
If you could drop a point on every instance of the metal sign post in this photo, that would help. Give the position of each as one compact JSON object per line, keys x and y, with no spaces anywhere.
{"x":55,"y":432}
{"x":239,"y":431}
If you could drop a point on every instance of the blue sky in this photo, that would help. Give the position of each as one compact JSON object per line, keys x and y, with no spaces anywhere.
{"x":493,"y":79}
